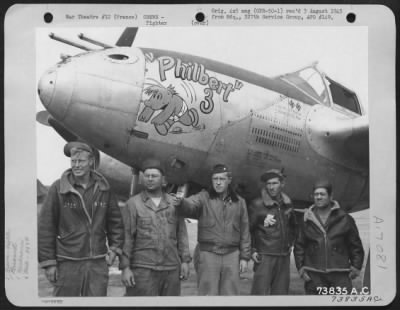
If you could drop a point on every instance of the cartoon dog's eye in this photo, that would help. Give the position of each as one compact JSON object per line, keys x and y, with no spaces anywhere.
{"x":159,"y":97}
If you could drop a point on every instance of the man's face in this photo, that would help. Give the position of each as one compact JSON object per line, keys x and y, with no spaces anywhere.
{"x":221,"y":182}
{"x":321,"y":197}
{"x":152,"y":179}
{"x":274,"y":187}
{"x":80,"y":164}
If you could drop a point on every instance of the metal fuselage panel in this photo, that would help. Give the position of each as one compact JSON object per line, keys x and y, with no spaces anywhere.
{"x":137,"y":103}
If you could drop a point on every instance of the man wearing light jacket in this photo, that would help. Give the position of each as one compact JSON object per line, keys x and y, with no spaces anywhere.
{"x":79,"y":217}
{"x":156,"y":239}
{"x":223,"y":234}
{"x":328,"y":251}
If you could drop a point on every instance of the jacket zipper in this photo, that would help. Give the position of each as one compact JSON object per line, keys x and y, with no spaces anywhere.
{"x":281,"y":226}
{"x":326,"y":253}
{"x":89,"y":223}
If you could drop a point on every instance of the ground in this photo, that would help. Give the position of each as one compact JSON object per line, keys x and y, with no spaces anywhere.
{"x":189,"y":286}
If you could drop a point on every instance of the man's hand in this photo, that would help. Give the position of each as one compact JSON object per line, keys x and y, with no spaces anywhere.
{"x":304,"y":275}
{"x":51,"y":274}
{"x":127,"y":277}
{"x":354,"y":272}
{"x":185,"y":271}
{"x":176,"y":200}
{"x":243,"y":265}
{"x":110,"y":257}
{"x":269,"y":220}
{"x":256,"y":258}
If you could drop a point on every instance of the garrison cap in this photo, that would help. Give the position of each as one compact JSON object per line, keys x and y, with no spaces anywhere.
{"x":272,"y":173}
{"x":78,"y":145}
{"x":152,"y":163}
{"x":220,"y":168}
{"x":323,"y":183}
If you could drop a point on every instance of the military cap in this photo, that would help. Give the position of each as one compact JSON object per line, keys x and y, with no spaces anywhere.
{"x":272,"y":173}
{"x":78,"y":145}
{"x":220,"y":168}
{"x":152,"y":163}
{"x":323,"y":183}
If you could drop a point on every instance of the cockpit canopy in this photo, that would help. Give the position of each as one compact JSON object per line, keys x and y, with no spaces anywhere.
{"x":324,"y":89}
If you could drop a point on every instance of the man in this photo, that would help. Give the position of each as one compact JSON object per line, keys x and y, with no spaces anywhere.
{"x":223,"y":234}
{"x":328,"y":251}
{"x":79,"y":217}
{"x":272,"y":228}
{"x":156,"y":240}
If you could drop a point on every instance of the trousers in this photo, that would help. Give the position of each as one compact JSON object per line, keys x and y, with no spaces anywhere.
{"x":218,"y":274}
{"x":82,"y":278}
{"x":151,"y":282}
{"x":271,"y":275}
{"x":337,"y":280}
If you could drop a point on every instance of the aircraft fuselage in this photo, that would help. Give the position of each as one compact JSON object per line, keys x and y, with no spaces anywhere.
{"x":192,"y":113}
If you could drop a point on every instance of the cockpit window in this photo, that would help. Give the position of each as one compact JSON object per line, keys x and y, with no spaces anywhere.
{"x":343,"y":96}
{"x":310,"y":81}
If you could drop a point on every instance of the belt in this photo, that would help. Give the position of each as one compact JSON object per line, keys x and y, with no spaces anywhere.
{"x":216,"y":248}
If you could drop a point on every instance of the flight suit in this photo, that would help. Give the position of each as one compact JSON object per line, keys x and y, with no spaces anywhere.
{"x":156,"y":243}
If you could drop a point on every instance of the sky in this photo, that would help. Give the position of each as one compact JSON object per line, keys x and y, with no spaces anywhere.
{"x":341,"y":52}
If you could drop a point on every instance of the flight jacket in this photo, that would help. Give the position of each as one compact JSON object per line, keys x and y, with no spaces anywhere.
{"x":334,"y":246}
{"x":223,"y":225}
{"x":276,"y":239}
{"x":66,"y":230}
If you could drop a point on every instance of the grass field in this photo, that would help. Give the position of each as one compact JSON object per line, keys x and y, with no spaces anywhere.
{"x":189,"y":287}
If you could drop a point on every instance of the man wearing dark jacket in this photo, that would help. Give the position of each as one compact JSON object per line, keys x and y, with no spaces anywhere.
{"x":79,"y":217}
{"x":223,"y":234}
{"x":272,"y":228}
{"x":328,"y":251}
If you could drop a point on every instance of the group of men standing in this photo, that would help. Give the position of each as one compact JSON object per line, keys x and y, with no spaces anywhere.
{"x":82,"y":230}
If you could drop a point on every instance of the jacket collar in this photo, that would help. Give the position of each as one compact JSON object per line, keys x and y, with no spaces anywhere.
{"x":269,"y":202}
{"x":164,"y":203}
{"x":309,"y":214}
{"x":98,"y":179}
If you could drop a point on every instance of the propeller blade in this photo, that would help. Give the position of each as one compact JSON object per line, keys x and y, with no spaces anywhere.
{"x":127,"y":37}
{"x":43,"y":117}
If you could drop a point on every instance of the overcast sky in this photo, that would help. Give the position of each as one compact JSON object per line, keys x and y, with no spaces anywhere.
{"x":342,"y":53}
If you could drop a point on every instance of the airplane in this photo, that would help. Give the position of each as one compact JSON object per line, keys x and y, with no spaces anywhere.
{"x":131,"y":103}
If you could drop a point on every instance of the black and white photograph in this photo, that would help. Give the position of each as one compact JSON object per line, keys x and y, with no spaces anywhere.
{"x":216,"y":161}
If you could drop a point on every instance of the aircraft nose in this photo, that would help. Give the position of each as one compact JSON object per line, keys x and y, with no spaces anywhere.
{"x":46,"y":86}
{"x":55,"y":89}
